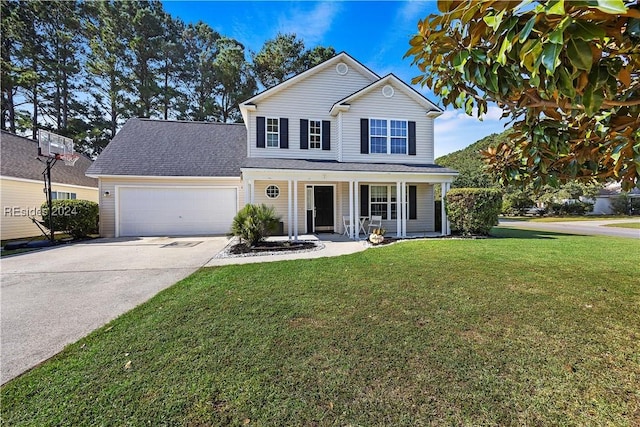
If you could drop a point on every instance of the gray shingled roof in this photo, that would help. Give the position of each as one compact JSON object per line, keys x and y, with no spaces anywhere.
{"x":145,"y":147}
{"x":19,"y":160}
{"x":260,"y":163}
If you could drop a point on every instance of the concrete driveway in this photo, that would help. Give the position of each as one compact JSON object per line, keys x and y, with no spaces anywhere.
{"x":53,"y":297}
{"x":592,"y":227}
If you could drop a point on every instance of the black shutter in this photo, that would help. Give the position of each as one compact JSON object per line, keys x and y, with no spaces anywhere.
{"x":413,"y":205}
{"x":260,"y":132}
{"x":284,"y":133}
{"x":304,"y":134}
{"x":364,"y":136}
{"x":364,"y":200}
{"x":326,"y":135}
{"x":412,"y":138}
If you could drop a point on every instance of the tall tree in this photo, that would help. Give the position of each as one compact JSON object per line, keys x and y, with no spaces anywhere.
{"x":107,"y":62}
{"x":10,"y":28}
{"x":30,"y":59}
{"x":64,"y":42}
{"x":146,"y":19}
{"x":235,"y":80}
{"x":567,"y":74}
{"x":172,"y":62}
{"x":200,"y":80}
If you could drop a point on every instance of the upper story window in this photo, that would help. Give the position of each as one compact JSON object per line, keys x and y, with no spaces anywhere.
{"x":273,"y":132}
{"x":388,"y":136}
{"x":315,"y":134}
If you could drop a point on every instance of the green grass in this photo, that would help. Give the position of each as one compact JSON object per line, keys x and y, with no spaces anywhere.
{"x":531,"y":328}
{"x":567,"y":218}
{"x":625,"y":225}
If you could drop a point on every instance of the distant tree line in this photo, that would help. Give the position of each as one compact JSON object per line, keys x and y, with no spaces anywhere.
{"x":81,"y":69}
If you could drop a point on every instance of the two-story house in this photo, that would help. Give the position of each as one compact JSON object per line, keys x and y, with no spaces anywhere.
{"x":326,"y":148}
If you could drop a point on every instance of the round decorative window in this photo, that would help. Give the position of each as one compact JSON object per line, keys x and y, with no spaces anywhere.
{"x":342,"y":68}
{"x":273,"y":191}
{"x":388,"y":91}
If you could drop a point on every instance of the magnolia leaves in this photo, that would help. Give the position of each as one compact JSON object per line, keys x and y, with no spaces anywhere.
{"x":551,"y":65}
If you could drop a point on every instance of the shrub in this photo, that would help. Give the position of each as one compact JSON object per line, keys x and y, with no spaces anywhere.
{"x":78,"y":218}
{"x":473,"y":211}
{"x":625,"y":205}
{"x":254,"y":223}
{"x":572,"y":207}
{"x":516,"y":203}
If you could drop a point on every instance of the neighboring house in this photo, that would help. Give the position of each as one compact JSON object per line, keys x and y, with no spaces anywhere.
{"x":22,"y":185}
{"x":602,"y":205}
{"x":335,"y":141}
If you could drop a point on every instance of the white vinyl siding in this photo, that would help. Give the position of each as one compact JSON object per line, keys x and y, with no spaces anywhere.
{"x":312,"y":97}
{"x":22,"y":198}
{"x":375,"y":105}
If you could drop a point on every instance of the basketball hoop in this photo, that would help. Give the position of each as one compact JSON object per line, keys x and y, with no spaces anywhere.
{"x":69,"y":159}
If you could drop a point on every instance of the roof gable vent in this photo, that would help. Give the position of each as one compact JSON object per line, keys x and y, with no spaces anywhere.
{"x":342,"y":68}
{"x":387,"y":91}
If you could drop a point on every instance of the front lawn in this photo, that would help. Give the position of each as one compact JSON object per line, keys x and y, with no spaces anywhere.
{"x":568,"y":218}
{"x":624,"y":225}
{"x":531,"y":328}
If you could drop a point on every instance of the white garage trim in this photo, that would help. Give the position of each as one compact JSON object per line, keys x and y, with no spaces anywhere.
{"x":118,"y":190}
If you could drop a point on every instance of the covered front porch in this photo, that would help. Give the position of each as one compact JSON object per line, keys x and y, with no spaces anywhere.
{"x":317,"y":201}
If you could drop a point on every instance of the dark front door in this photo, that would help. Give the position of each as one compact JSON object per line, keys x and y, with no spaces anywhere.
{"x":323,"y":199}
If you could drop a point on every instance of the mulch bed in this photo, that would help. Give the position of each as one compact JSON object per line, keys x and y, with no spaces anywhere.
{"x":243,"y":248}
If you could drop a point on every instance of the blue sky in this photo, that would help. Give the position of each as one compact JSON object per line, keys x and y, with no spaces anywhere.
{"x":375,"y":33}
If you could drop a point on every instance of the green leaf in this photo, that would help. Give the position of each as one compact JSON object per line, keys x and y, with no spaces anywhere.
{"x":550,"y":57}
{"x":555,"y":7}
{"x":612,"y":6}
{"x":579,"y":54}
{"x":586,"y":31}
{"x":565,"y":83}
{"x":504,"y":49}
{"x":527,"y":29}
{"x":494,"y":21}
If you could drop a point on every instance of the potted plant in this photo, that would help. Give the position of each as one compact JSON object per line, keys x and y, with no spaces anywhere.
{"x":377,"y":236}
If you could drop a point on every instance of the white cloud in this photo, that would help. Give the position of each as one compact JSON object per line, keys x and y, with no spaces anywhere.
{"x":310,"y":25}
{"x":455,"y":130}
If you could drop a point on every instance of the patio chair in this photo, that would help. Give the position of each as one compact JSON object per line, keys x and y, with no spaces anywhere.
{"x":374,"y":222}
{"x":346,"y":223}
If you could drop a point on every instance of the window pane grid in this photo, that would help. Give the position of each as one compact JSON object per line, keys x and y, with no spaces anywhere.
{"x":315,"y":134}
{"x":272,"y":133}
{"x":388,"y":136}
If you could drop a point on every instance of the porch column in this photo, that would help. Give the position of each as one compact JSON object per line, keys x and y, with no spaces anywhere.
{"x":252,"y":189}
{"x":289,"y":216}
{"x":351,"y":233}
{"x":295,"y":209}
{"x":356,"y":207}
{"x":444,"y":187}
{"x":247,"y":192}
{"x":404,"y":209}
{"x":398,"y":209}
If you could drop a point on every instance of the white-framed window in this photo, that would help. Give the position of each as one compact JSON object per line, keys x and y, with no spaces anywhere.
{"x":383,"y":201}
{"x":388,"y":136}
{"x":62,"y":195}
{"x":272,"y":191}
{"x":315,"y":134}
{"x":273,"y":132}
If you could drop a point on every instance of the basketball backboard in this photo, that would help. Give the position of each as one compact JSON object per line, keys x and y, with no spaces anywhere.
{"x":52,"y":145}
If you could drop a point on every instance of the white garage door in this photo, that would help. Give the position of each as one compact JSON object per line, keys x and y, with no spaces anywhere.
{"x":161,"y":211}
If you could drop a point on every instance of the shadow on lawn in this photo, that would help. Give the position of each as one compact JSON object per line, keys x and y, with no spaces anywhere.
{"x":516,"y":233}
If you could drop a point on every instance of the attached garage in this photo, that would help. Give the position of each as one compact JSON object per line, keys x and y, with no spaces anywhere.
{"x":175,"y":211}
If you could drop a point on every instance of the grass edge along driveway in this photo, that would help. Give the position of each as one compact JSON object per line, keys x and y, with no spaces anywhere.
{"x":530,"y":328}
